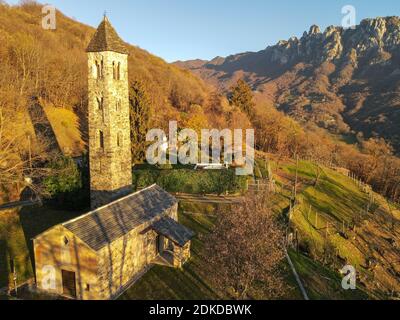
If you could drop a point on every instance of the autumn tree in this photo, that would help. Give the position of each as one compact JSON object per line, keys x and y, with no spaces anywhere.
{"x":245,"y":250}
{"x":242,"y":97}
{"x":140,"y":108}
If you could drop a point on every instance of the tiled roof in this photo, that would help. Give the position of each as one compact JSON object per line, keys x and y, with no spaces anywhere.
{"x":107,"y":224}
{"x":173,"y":231}
{"x":106,"y":39}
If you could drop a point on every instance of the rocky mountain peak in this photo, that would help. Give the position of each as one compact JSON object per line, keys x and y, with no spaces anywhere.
{"x":314,"y":30}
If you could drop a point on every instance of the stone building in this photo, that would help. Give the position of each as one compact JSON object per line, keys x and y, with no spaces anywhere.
{"x":97,"y":256}
{"x":109,"y":125}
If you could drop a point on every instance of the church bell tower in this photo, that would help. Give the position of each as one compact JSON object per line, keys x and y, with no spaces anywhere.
{"x":109,"y":124}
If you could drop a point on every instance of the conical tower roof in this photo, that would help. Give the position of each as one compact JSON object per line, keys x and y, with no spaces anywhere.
{"x":106,"y":39}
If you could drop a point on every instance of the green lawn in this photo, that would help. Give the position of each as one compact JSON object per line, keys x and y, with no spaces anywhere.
{"x":322,"y":283}
{"x":336,"y":199}
{"x":192,"y":283}
{"x":163,"y":283}
{"x":17,"y":228}
{"x":331,"y":217}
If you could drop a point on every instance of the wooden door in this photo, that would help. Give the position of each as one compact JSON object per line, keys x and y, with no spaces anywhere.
{"x":159,"y":246}
{"x":69,"y":283}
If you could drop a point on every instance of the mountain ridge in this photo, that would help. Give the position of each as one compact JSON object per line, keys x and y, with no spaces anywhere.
{"x":345,"y":80}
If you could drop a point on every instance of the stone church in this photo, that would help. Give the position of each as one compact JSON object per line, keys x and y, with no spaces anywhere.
{"x":97,"y":256}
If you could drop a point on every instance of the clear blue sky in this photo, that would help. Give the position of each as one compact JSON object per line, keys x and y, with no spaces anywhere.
{"x":188,"y":29}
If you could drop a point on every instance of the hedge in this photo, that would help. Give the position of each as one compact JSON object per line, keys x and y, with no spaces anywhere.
{"x":191,"y":181}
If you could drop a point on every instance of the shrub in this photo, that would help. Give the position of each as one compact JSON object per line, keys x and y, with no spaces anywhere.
{"x":191,"y":181}
{"x":67,"y":186}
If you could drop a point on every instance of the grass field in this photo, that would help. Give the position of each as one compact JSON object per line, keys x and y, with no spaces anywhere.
{"x":336,"y":200}
{"x":17,"y":228}
{"x":332,"y":215}
{"x":320,"y":282}
{"x":191,"y":283}
{"x":163,"y":283}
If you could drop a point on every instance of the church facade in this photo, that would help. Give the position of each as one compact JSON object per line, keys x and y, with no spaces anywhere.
{"x":97,"y":256}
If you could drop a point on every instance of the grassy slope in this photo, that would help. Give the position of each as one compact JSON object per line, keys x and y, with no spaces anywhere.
{"x":65,"y":71}
{"x":169,"y":284}
{"x":336,"y":198}
{"x":320,"y":282}
{"x":191,"y":283}
{"x":340,"y":205}
{"x":17,"y":228}
{"x":66,"y":127}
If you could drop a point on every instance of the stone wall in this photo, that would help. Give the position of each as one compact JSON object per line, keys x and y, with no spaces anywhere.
{"x":53,"y":254}
{"x":110,"y":164}
{"x":100,"y":275}
{"x":127,"y":258}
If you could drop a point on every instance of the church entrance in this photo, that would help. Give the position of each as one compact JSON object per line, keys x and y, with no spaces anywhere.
{"x":159,"y":245}
{"x":69,"y":283}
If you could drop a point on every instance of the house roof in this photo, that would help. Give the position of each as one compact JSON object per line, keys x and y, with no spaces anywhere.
{"x":106,"y":39}
{"x":173,"y":231}
{"x":103,"y":226}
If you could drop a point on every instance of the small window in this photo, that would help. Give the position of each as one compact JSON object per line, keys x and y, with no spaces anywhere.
{"x":101,"y":138}
{"x":114,"y":71}
{"x":119,"y":139}
{"x":100,"y":103}
{"x":99,"y":69}
{"x":87,"y":287}
{"x":119,"y":71}
{"x":118,"y":105}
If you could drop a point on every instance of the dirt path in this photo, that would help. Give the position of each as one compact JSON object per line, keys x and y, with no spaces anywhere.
{"x":19,"y":204}
{"x":213,"y":199}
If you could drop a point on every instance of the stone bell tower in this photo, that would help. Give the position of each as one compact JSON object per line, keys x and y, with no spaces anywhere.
{"x":109,"y":124}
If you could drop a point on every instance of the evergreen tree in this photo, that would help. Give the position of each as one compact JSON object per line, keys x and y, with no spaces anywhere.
{"x":242,"y":97}
{"x":140,"y":108}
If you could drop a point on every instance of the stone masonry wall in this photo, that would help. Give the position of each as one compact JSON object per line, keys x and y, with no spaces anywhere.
{"x":127,"y":258}
{"x":52,"y":255}
{"x":111,"y":166}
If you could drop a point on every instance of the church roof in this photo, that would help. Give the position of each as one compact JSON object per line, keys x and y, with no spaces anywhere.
{"x":173,"y":230}
{"x":106,"y":39}
{"x":103,"y":226}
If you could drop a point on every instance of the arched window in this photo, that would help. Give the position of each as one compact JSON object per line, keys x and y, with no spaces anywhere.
{"x":119,"y":71}
{"x":119,"y":139}
{"x":99,"y":66}
{"x":100,"y":106}
{"x":118,"y":105}
{"x":100,"y":103}
{"x":101,"y":139}
{"x":114,"y":71}
{"x":97,"y":69}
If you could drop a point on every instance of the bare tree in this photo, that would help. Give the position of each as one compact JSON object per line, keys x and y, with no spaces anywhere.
{"x":245,"y":250}
{"x":18,"y":165}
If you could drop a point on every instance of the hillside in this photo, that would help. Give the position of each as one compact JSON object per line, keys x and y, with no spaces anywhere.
{"x":52,"y":65}
{"x":347,"y":81}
